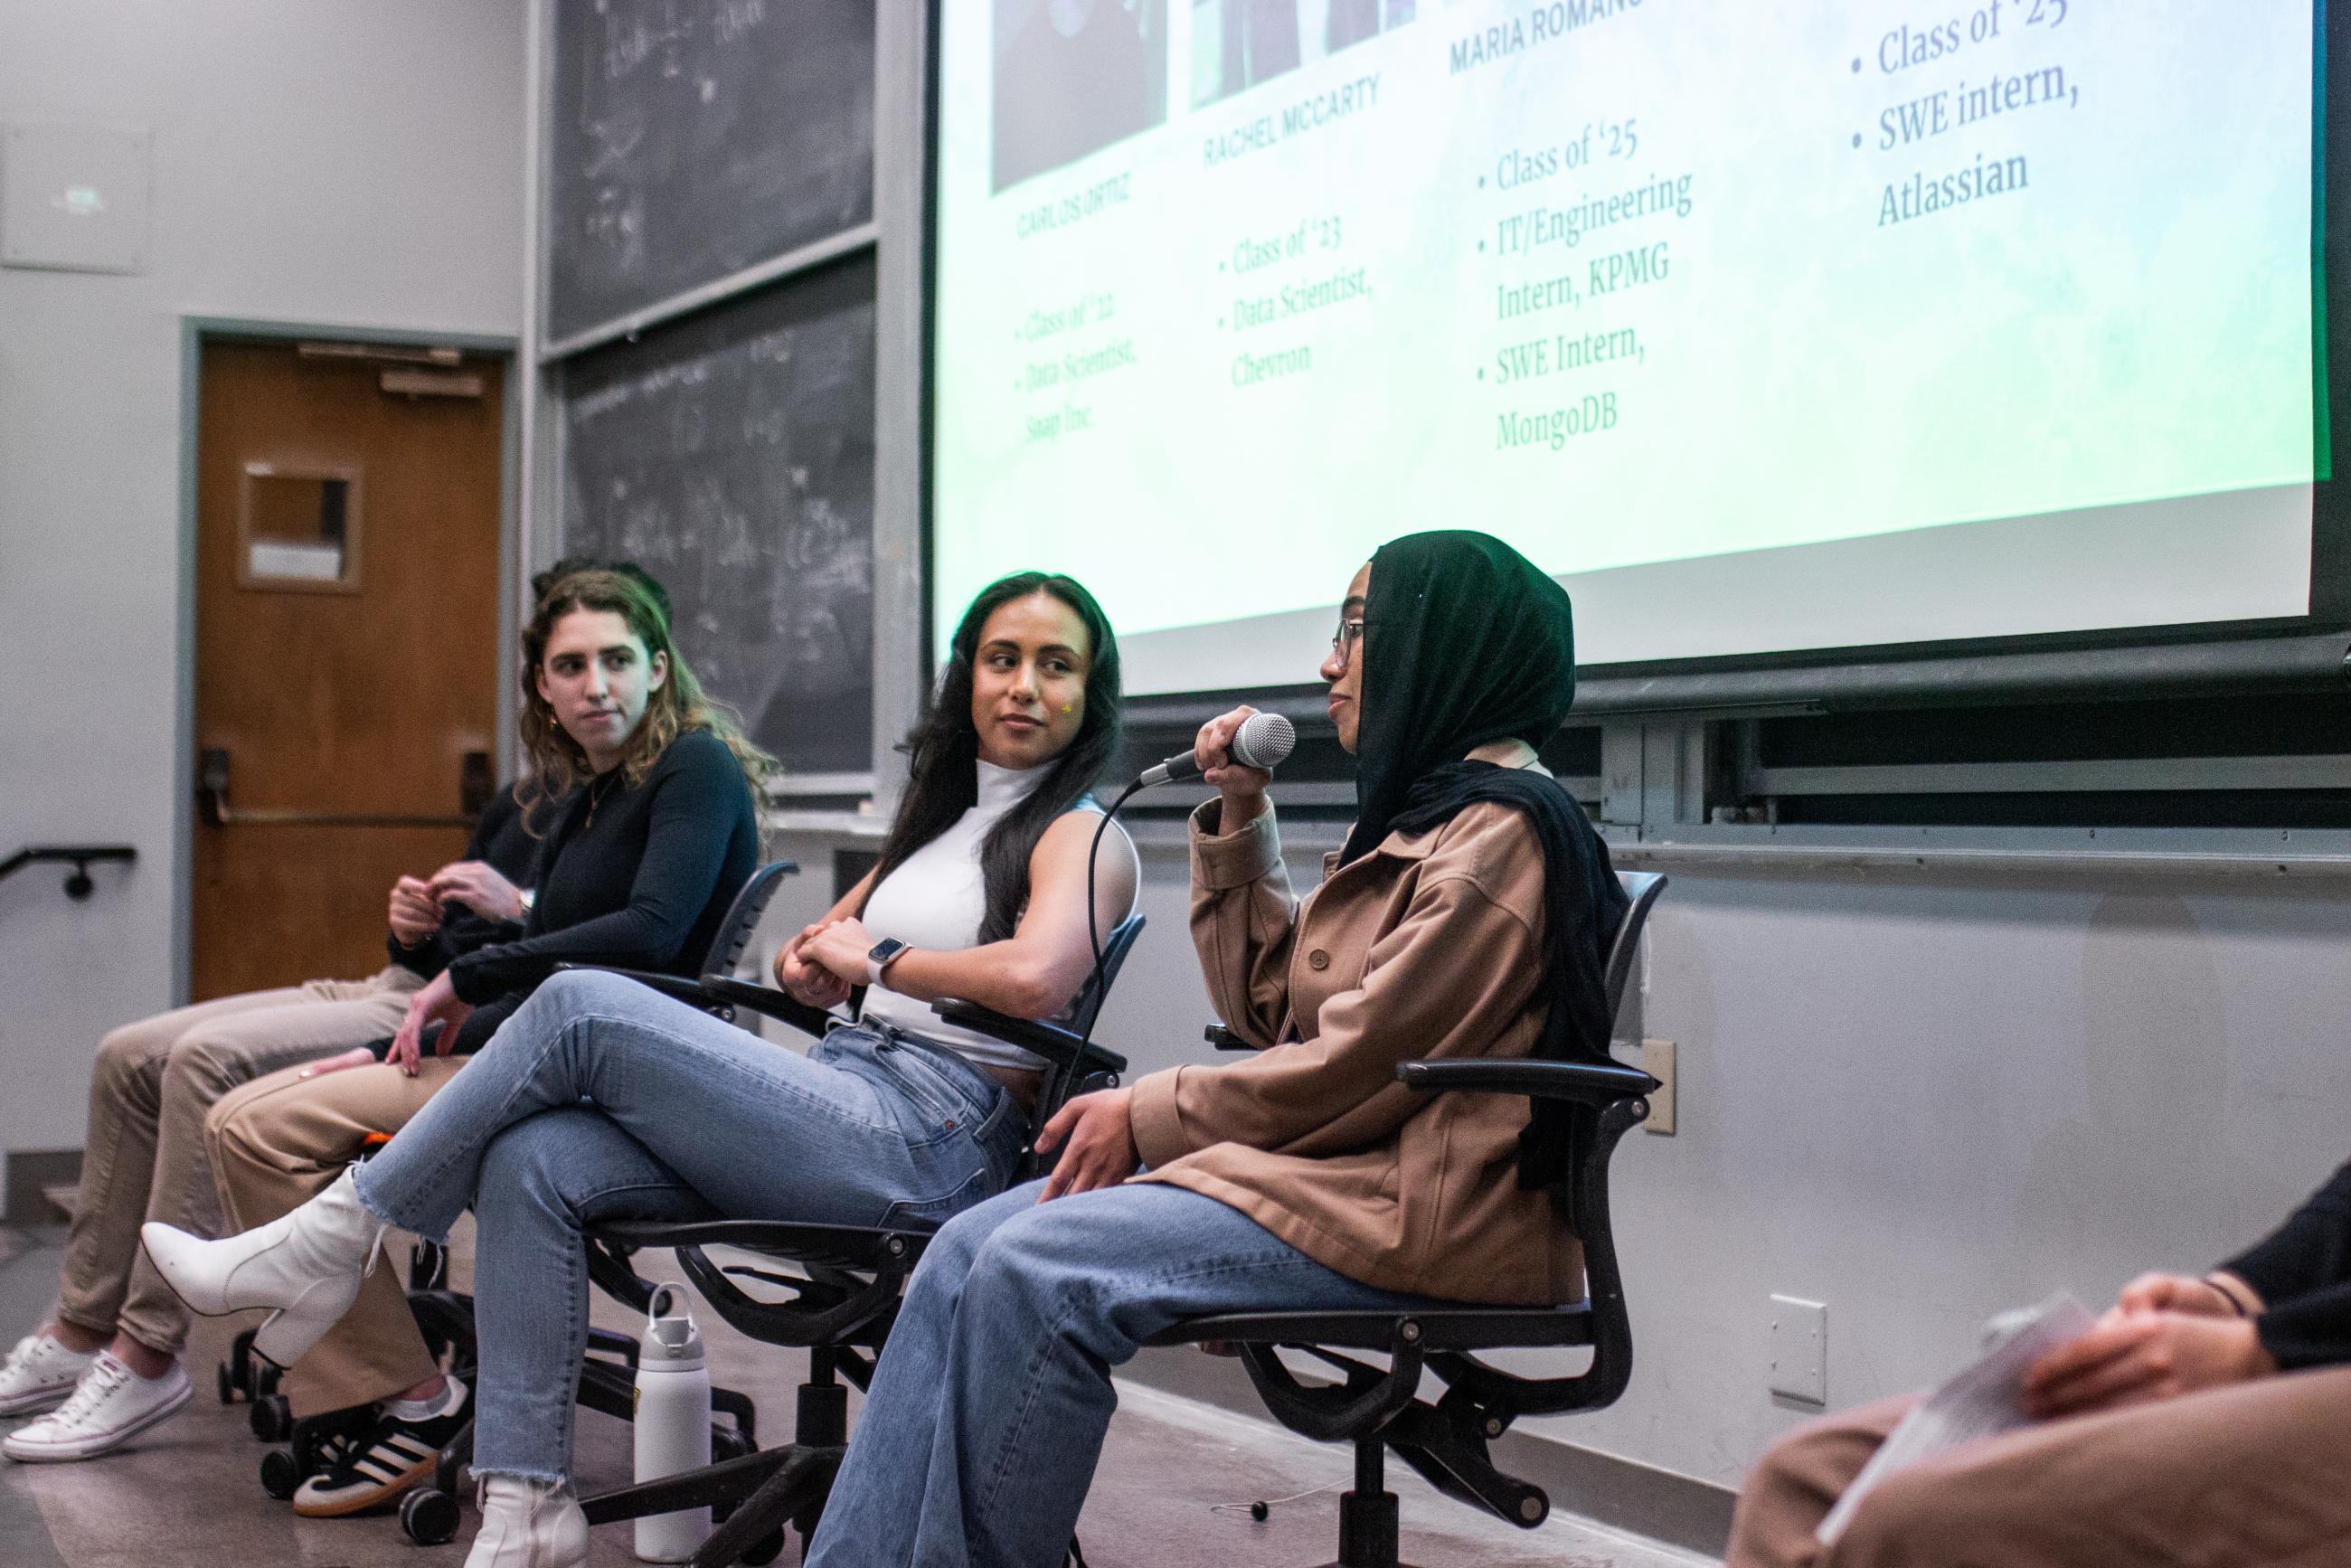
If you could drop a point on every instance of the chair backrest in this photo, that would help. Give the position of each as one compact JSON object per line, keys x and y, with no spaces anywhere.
{"x":743,"y":918}
{"x":1643,"y":887}
{"x":1086,"y":1006}
{"x":1061,"y":1080}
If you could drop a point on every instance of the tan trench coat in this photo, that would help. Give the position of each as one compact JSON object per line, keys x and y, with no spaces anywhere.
{"x":1430,"y":946}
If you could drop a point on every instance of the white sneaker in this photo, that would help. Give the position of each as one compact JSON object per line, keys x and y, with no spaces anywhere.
{"x":528,"y":1524}
{"x":110,"y":1407}
{"x":307,"y":1264}
{"x":38,"y":1374}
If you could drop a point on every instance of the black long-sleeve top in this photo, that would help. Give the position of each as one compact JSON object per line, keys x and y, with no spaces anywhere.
{"x":634,"y":876}
{"x":2304,"y":1272}
{"x":504,"y":838}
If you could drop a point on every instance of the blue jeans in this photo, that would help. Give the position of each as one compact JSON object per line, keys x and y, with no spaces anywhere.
{"x":600,"y":1099}
{"x":979,"y":1436}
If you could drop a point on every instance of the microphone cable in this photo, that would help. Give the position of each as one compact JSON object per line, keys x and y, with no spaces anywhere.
{"x":1094,"y":923}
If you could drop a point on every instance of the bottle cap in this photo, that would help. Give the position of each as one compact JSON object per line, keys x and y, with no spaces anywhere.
{"x":669,"y":1332}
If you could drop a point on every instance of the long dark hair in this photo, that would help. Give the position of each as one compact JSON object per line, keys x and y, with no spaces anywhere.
{"x":945,"y":749}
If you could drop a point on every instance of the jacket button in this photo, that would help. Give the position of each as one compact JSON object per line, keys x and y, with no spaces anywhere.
{"x":1318,"y":959}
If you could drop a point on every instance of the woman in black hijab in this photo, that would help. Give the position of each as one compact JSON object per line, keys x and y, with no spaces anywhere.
{"x":1468,"y":917}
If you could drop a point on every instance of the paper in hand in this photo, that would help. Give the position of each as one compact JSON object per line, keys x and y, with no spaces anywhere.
{"x":1981,"y":1400}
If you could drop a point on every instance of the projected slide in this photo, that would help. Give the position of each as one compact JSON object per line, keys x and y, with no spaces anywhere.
{"x":1704,"y":306}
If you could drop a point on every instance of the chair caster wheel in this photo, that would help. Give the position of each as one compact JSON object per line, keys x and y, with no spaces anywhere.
{"x":428,"y":1517}
{"x":272,"y":1419}
{"x":726,"y":1443}
{"x":226,"y":1383}
{"x":281,"y":1474}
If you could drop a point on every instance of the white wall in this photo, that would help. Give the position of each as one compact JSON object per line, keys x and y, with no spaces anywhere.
{"x":1921,"y":1099}
{"x":332,"y":162}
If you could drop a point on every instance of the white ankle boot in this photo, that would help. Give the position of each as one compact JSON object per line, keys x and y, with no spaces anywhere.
{"x":308,"y":1265}
{"x":528,"y":1524}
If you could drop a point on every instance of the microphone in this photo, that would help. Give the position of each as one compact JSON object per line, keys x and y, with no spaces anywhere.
{"x":1264,"y":740}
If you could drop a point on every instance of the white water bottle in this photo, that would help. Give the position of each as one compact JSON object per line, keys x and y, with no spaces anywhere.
{"x":673,"y":1423}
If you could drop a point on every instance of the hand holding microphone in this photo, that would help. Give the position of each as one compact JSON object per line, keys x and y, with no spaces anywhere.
{"x":1235,"y":753}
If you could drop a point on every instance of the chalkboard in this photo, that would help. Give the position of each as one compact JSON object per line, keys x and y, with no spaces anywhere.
{"x":690,"y":139}
{"x":732,"y":454}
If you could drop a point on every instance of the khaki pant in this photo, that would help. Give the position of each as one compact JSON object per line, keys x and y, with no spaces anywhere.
{"x":144,"y":1155}
{"x":2251,"y":1474}
{"x":281,"y":1139}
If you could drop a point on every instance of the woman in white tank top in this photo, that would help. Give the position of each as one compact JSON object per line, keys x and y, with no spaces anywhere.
{"x":979,"y":893}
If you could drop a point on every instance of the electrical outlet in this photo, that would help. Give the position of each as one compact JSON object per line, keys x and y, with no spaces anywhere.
{"x":1657,"y":1061}
{"x":1799,"y":1349}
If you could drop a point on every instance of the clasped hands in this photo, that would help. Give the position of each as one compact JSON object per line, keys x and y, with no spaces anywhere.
{"x":824,"y":962}
{"x":416,"y":914}
{"x":2167,"y":1335}
{"x":479,"y":885}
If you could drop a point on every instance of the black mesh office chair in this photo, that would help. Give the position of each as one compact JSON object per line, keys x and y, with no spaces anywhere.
{"x":445,"y":1317}
{"x":1376,"y":1408}
{"x":842,"y":1290}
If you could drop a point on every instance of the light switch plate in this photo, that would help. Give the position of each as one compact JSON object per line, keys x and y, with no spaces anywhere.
{"x":1799,"y":1349}
{"x":1657,"y":1061}
{"x":74,"y":197}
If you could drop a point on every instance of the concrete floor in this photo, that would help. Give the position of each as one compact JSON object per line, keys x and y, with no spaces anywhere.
{"x":186,"y":1493}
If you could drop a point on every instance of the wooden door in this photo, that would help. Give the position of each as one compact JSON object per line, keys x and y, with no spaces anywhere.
{"x":347,"y":657}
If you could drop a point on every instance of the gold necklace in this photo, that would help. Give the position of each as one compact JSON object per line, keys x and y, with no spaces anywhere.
{"x":596,"y":789}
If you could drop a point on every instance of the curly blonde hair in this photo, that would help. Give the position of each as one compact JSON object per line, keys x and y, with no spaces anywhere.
{"x":558,"y":763}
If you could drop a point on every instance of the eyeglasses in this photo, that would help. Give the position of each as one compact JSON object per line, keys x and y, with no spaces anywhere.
{"x":1343,"y":641}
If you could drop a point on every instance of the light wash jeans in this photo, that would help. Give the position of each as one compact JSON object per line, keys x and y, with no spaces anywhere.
{"x":600,"y":1099}
{"x":979,"y":1438}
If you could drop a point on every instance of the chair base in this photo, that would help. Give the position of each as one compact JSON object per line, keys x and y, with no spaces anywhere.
{"x":1367,"y":1530}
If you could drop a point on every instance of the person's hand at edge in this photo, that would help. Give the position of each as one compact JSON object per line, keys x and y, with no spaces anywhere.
{"x":2134,"y":1358}
{"x":2209,"y":1296}
{"x":480,"y":887}
{"x":1243,"y":788}
{"x":1100,"y":1131}
{"x":438,"y":1002}
{"x":806,"y":982}
{"x":415,"y":913}
{"x":840,"y":946}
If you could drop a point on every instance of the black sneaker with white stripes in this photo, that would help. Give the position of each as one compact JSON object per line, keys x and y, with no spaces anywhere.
{"x":393,"y":1456}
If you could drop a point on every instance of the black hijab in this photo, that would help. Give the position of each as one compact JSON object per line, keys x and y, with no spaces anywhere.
{"x":1466,"y":643}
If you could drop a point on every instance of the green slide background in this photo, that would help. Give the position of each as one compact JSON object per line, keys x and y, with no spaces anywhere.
{"x":2134,"y":324}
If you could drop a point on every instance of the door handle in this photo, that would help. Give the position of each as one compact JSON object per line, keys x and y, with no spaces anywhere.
{"x":212,"y":804}
{"x":212,"y":787}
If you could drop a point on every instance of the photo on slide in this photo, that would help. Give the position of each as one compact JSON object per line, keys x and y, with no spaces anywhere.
{"x":1073,"y":77}
{"x":1236,"y":43}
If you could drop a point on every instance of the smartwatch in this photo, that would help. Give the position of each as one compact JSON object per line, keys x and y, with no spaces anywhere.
{"x":878,"y":959}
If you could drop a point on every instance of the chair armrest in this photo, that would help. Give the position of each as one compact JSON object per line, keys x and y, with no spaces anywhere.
{"x":770,"y":1002}
{"x":1055,"y":1044}
{"x":683,"y":988}
{"x":1588,"y":1083}
{"x":722,"y":991}
{"x":1223,"y":1039}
